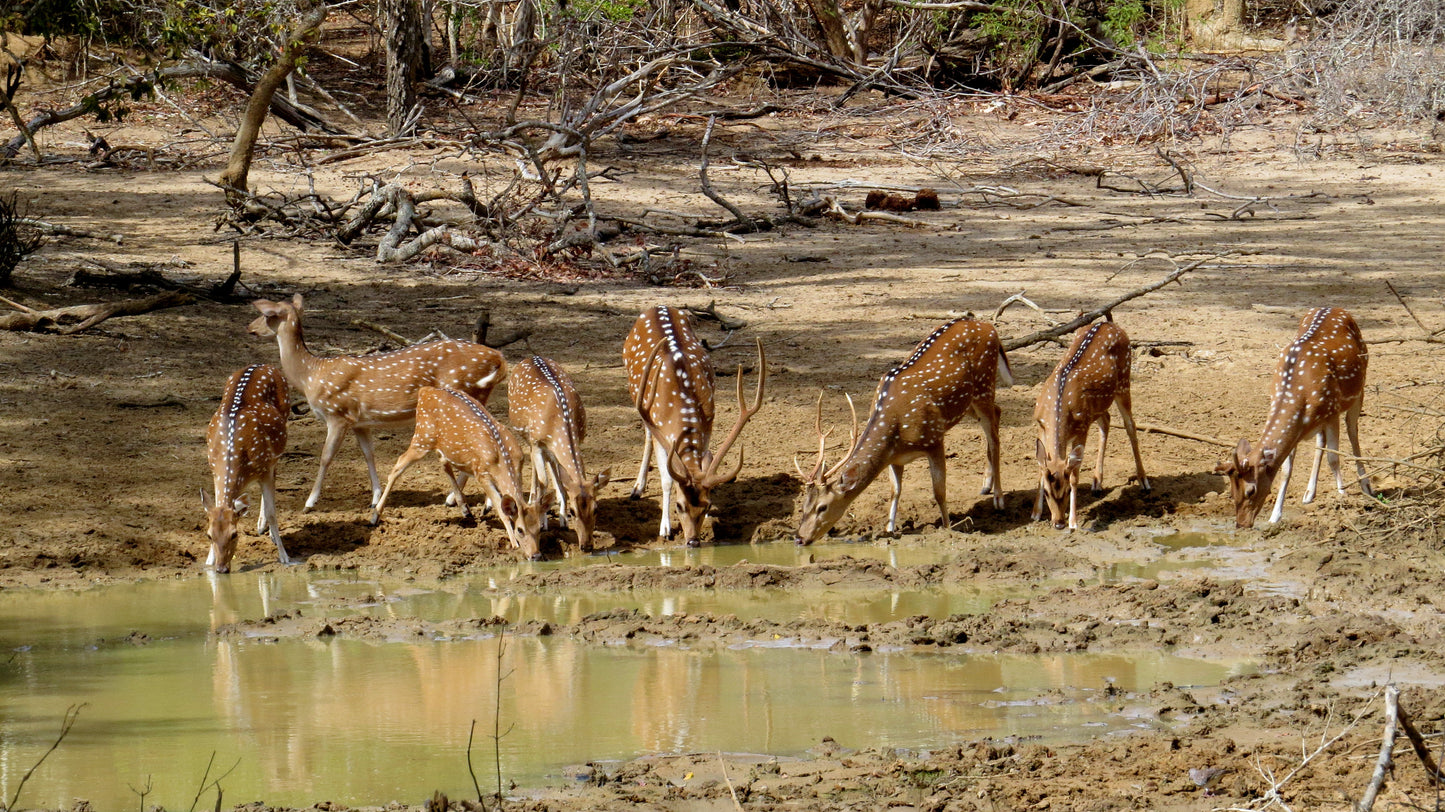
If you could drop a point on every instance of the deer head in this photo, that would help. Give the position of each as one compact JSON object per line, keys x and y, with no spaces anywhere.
{"x":1251,"y":475}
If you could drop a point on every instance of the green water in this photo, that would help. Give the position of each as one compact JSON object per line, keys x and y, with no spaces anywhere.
{"x":305,"y":720}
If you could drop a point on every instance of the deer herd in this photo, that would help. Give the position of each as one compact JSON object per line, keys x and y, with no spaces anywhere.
{"x":442,"y":387}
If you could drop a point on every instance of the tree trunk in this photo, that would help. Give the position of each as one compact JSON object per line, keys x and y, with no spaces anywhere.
{"x":300,"y":39}
{"x":1214,"y":23}
{"x":405,"y":54}
{"x":835,"y":28}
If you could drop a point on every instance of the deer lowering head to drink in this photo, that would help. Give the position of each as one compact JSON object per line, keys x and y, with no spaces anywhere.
{"x":1321,"y":375}
{"x":543,"y":404}
{"x":1092,"y":377}
{"x":670,"y":378}
{"x":470,"y":441}
{"x":360,"y":392}
{"x":950,"y":374}
{"x":244,"y":441}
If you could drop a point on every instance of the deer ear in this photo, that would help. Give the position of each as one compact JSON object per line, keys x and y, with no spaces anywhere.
{"x":602,"y":478}
{"x":1267,"y":456}
{"x":296,"y":302}
{"x":206,"y":500}
{"x":509,"y":507}
{"x":1241,"y":453}
{"x":1225,"y":468}
{"x":241,"y":506}
{"x":1076,"y":455}
{"x":1039,"y":450}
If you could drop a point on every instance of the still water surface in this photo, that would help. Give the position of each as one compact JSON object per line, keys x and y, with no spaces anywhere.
{"x":299,"y":721}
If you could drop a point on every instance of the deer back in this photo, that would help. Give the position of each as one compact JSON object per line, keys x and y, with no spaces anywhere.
{"x":951,"y":372}
{"x":670,"y":378}
{"x":1082,"y":387}
{"x":463,"y":432}
{"x":1320,"y":375}
{"x":376,"y":389}
{"x":544,"y":405}
{"x":247,"y":434}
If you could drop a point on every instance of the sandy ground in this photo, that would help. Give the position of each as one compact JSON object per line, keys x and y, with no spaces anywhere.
{"x":102,"y":433}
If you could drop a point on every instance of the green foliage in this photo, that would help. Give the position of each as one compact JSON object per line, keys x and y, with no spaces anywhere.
{"x":241,"y":32}
{"x":1123,"y":20}
{"x":616,"y":11}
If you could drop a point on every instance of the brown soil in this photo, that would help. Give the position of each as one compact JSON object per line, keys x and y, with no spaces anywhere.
{"x":102,"y":433}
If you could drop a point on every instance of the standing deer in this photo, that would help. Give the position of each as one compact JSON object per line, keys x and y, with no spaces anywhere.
{"x":671,"y":381}
{"x":244,"y":440}
{"x":543,"y":404}
{"x":360,"y":392}
{"x":1321,"y":375}
{"x":1093,"y":376}
{"x":469,"y":440}
{"x":951,"y":373}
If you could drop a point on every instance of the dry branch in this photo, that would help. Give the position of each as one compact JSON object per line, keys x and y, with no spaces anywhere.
{"x":1418,"y":743}
{"x":1100,"y":312}
{"x":84,"y":317}
{"x":1387,"y":749}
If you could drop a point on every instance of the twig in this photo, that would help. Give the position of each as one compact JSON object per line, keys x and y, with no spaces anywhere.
{"x":1404,"y":304}
{"x":1019,"y":298}
{"x":1387,"y":749}
{"x":1183,"y":435}
{"x":476,"y":785}
{"x":1432,"y":770}
{"x":71,"y":714}
{"x":724,"y":765}
{"x":377,"y":328}
{"x":1099,"y":312}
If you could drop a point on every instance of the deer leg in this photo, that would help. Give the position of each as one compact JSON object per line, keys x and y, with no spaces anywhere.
{"x":992,"y":484}
{"x":1126,"y":414}
{"x":539,"y":481}
{"x":1352,"y":427}
{"x":641,"y":484}
{"x":1074,"y":497}
{"x":939,"y":472}
{"x":554,"y":470}
{"x":363,"y":439}
{"x":1332,"y":443}
{"x":456,"y":478}
{"x":1314,"y":480}
{"x":495,"y":495}
{"x":1039,"y":501}
{"x":664,"y":530}
{"x":1097,"y":486}
{"x":895,"y":473}
{"x":405,"y":461}
{"x":336,"y":429}
{"x":1284,"y":472}
{"x":268,"y":512}
{"x":455,"y":497}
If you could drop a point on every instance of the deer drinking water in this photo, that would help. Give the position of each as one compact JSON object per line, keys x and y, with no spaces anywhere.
{"x":543,"y":404}
{"x":469,"y":440}
{"x":357,"y":393}
{"x":244,"y":441}
{"x":1092,"y":377}
{"x":671,"y":381}
{"x":951,"y":373}
{"x":1321,"y":376}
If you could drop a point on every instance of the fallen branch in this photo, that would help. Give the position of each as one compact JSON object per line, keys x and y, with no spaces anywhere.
{"x":1183,"y":435}
{"x":1100,"y":312}
{"x":1418,"y":742}
{"x":84,"y":317}
{"x":1387,"y":749}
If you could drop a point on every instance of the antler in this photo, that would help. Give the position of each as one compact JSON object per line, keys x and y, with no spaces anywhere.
{"x":746,"y":412}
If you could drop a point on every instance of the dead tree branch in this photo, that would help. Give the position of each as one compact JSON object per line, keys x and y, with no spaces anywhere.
{"x":1103,"y":310}
{"x":1387,"y":750}
{"x":84,"y":317}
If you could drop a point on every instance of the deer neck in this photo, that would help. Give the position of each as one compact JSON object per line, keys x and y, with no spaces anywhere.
{"x":297,"y":362}
{"x":867,"y":459}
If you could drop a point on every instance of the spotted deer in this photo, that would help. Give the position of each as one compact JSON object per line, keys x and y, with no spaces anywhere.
{"x":671,"y":381}
{"x":356,"y":393}
{"x":1092,"y":377}
{"x":1321,"y":375}
{"x":951,"y":373}
{"x":470,"y":441}
{"x":244,"y":441}
{"x":543,"y":404}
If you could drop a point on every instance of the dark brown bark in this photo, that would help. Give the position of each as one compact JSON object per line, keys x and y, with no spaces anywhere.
{"x":405,"y":52}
